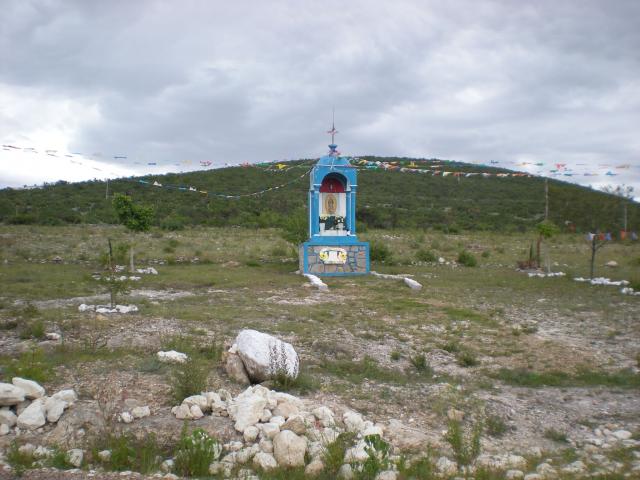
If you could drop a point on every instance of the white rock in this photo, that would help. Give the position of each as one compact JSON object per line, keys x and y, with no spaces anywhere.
{"x":357,"y":453}
{"x":516,"y":462}
{"x":172,"y":357}
{"x":53,"y":336}
{"x":250,"y":434}
{"x":345,"y":472}
{"x":289,"y":449}
{"x":262,"y":354}
{"x":533,"y":476}
{"x":167,"y":465}
{"x":68,"y":396}
{"x":33,"y":416}
{"x":387,"y":475}
{"x":246,"y":454}
{"x":75,"y":456}
{"x":296,"y":424}
{"x":446,"y":467}
{"x":285,"y":409}
{"x":316,"y":282}
{"x":7,"y":417}
{"x":104,"y":455}
{"x":622,"y":434}
{"x":4,"y":429}
{"x":126,"y":417}
{"x":353,"y":421}
{"x":412,"y":284}
{"x":182,"y":412}
{"x":42,"y":452}
{"x":141,"y":412}
{"x":264,"y":461}
{"x":199,"y":400}
{"x":372,"y":430}
{"x":269,"y":430}
{"x":575,"y":468}
{"x":514,"y":475}
{"x":266,"y":415}
{"x":54,"y":408}
{"x":314,"y":468}
{"x":247,"y":408}
{"x":546,"y":470}
{"x":195,"y":411}
{"x":27,"y":449}
{"x":10,"y":394}
{"x":278,"y":420}
{"x":324,"y":416}
{"x":20,"y":407}
{"x":233,"y":446}
{"x":266,"y":445}
{"x":611,"y":263}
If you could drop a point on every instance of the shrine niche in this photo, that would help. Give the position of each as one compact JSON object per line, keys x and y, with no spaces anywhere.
{"x":333,"y":247}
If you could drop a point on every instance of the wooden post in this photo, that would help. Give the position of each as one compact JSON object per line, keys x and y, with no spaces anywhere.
{"x":546,"y":199}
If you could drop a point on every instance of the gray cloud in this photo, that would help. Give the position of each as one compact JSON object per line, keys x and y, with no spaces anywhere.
{"x":253,"y":81}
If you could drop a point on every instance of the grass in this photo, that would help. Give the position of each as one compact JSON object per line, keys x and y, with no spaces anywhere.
{"x":189,"y":378}
{"x":129,"y":453}
{"x":495,"y":426}
{"x":195,"y":452}
{"x":626,"y":379}
{"x":367,"y":368}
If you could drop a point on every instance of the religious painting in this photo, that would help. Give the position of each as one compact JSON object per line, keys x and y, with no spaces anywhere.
{"x":333,"y":256}
{"x":330,"y":204}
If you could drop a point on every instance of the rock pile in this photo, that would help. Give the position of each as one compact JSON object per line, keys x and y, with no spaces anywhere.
{"x":278,"y":429}
{"x":25,"y":406}
{"x":107,"y":309}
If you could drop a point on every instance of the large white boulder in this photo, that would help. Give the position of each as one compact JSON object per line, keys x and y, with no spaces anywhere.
{"x":10,"y":394}
{"x":33,"y":416}
{"x":31,"y":389}
{"x":68,"y":396}
{"x":289,"y":449}
{"x":172,"y":357}
{"x":264,"y":461}
{"x":264,"y":355}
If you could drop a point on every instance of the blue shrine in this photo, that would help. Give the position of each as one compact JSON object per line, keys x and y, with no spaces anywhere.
{"x":333,"y":248}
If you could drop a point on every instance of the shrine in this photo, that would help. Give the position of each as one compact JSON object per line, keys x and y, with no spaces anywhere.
{"x":333,"y":248}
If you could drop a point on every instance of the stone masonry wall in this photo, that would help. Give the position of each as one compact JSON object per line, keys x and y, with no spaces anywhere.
{"x":356,"y":259}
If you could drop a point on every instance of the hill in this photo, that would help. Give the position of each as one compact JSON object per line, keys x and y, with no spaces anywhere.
{"x":387,"y":199}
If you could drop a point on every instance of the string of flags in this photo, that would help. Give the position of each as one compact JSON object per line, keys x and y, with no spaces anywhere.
{"x":223,"y":195}
{"x":413,"y":168}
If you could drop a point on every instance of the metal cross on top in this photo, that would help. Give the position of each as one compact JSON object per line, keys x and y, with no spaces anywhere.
{"x":333,"y":130}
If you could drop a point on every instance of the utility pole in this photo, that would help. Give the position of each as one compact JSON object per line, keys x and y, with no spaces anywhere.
{"x":106,"y":193}
{"x":546,"y":199}
{"x":625,"y":216}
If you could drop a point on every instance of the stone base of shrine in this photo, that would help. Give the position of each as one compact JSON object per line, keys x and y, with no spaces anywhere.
{"x":334,"y":258}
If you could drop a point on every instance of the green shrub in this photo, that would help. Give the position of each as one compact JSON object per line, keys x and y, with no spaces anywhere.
{"x":555,"y":435}
{"x":495,"y":426}
{"x":129,"y":453}
{"x":395,"y":355}
{"x":465,"y":445}
{"x":467,"y":358}
{"x":333,"y":454}
{"x":420,"y":363}
{"x":378,"y":457}
{"x":174,"y":223}
{"x":379,"y":252}
{"x":451,"y":346}
{"x":19,"y":461}
{"x":467,"y":259}
{"x":421,"y":469}
{"x":30,"y":364}
{"x":426,"y":256}
{"x":195,"y":453}
{"x":486,"y":254}
{"x":189,"y":378}
{"x":32,"y":329}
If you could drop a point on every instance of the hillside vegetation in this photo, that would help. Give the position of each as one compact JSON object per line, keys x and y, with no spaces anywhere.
{"x":387,"y":200}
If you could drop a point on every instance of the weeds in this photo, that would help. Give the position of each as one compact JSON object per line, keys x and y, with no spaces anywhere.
{"x":130,"y":453}
{"x":583,"y":378}
{"x":20,"y":460}
{"x":467,"y":259}
{"x":188,"y":378}
{"x":195,"y":453}
{"x":395,"y":356}
{"x":379,"y":252}
{"x":333,"y":455}
{"x":31,"y":365}
{"x":495,"y":426}
{"x":421,"y":469}
{"x":378,"y":451}
{"x":426,"y":256}
{"x":32,"y":329}
{"x":357,"y":371}
{"x":466,"y":358}
{"x":555,"y":435}
{"x":465,"y":445}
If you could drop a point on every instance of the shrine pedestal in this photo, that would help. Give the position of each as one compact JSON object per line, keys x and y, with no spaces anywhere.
{"x":331,"y":257}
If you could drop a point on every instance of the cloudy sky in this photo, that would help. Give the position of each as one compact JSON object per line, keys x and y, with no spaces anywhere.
{"x":174,"y":82}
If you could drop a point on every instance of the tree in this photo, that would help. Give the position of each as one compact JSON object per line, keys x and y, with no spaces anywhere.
{"x":545,"y":229}
{"x":622,"y":191}
{"x":596,"y":244}
{"x":137,"y":218}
